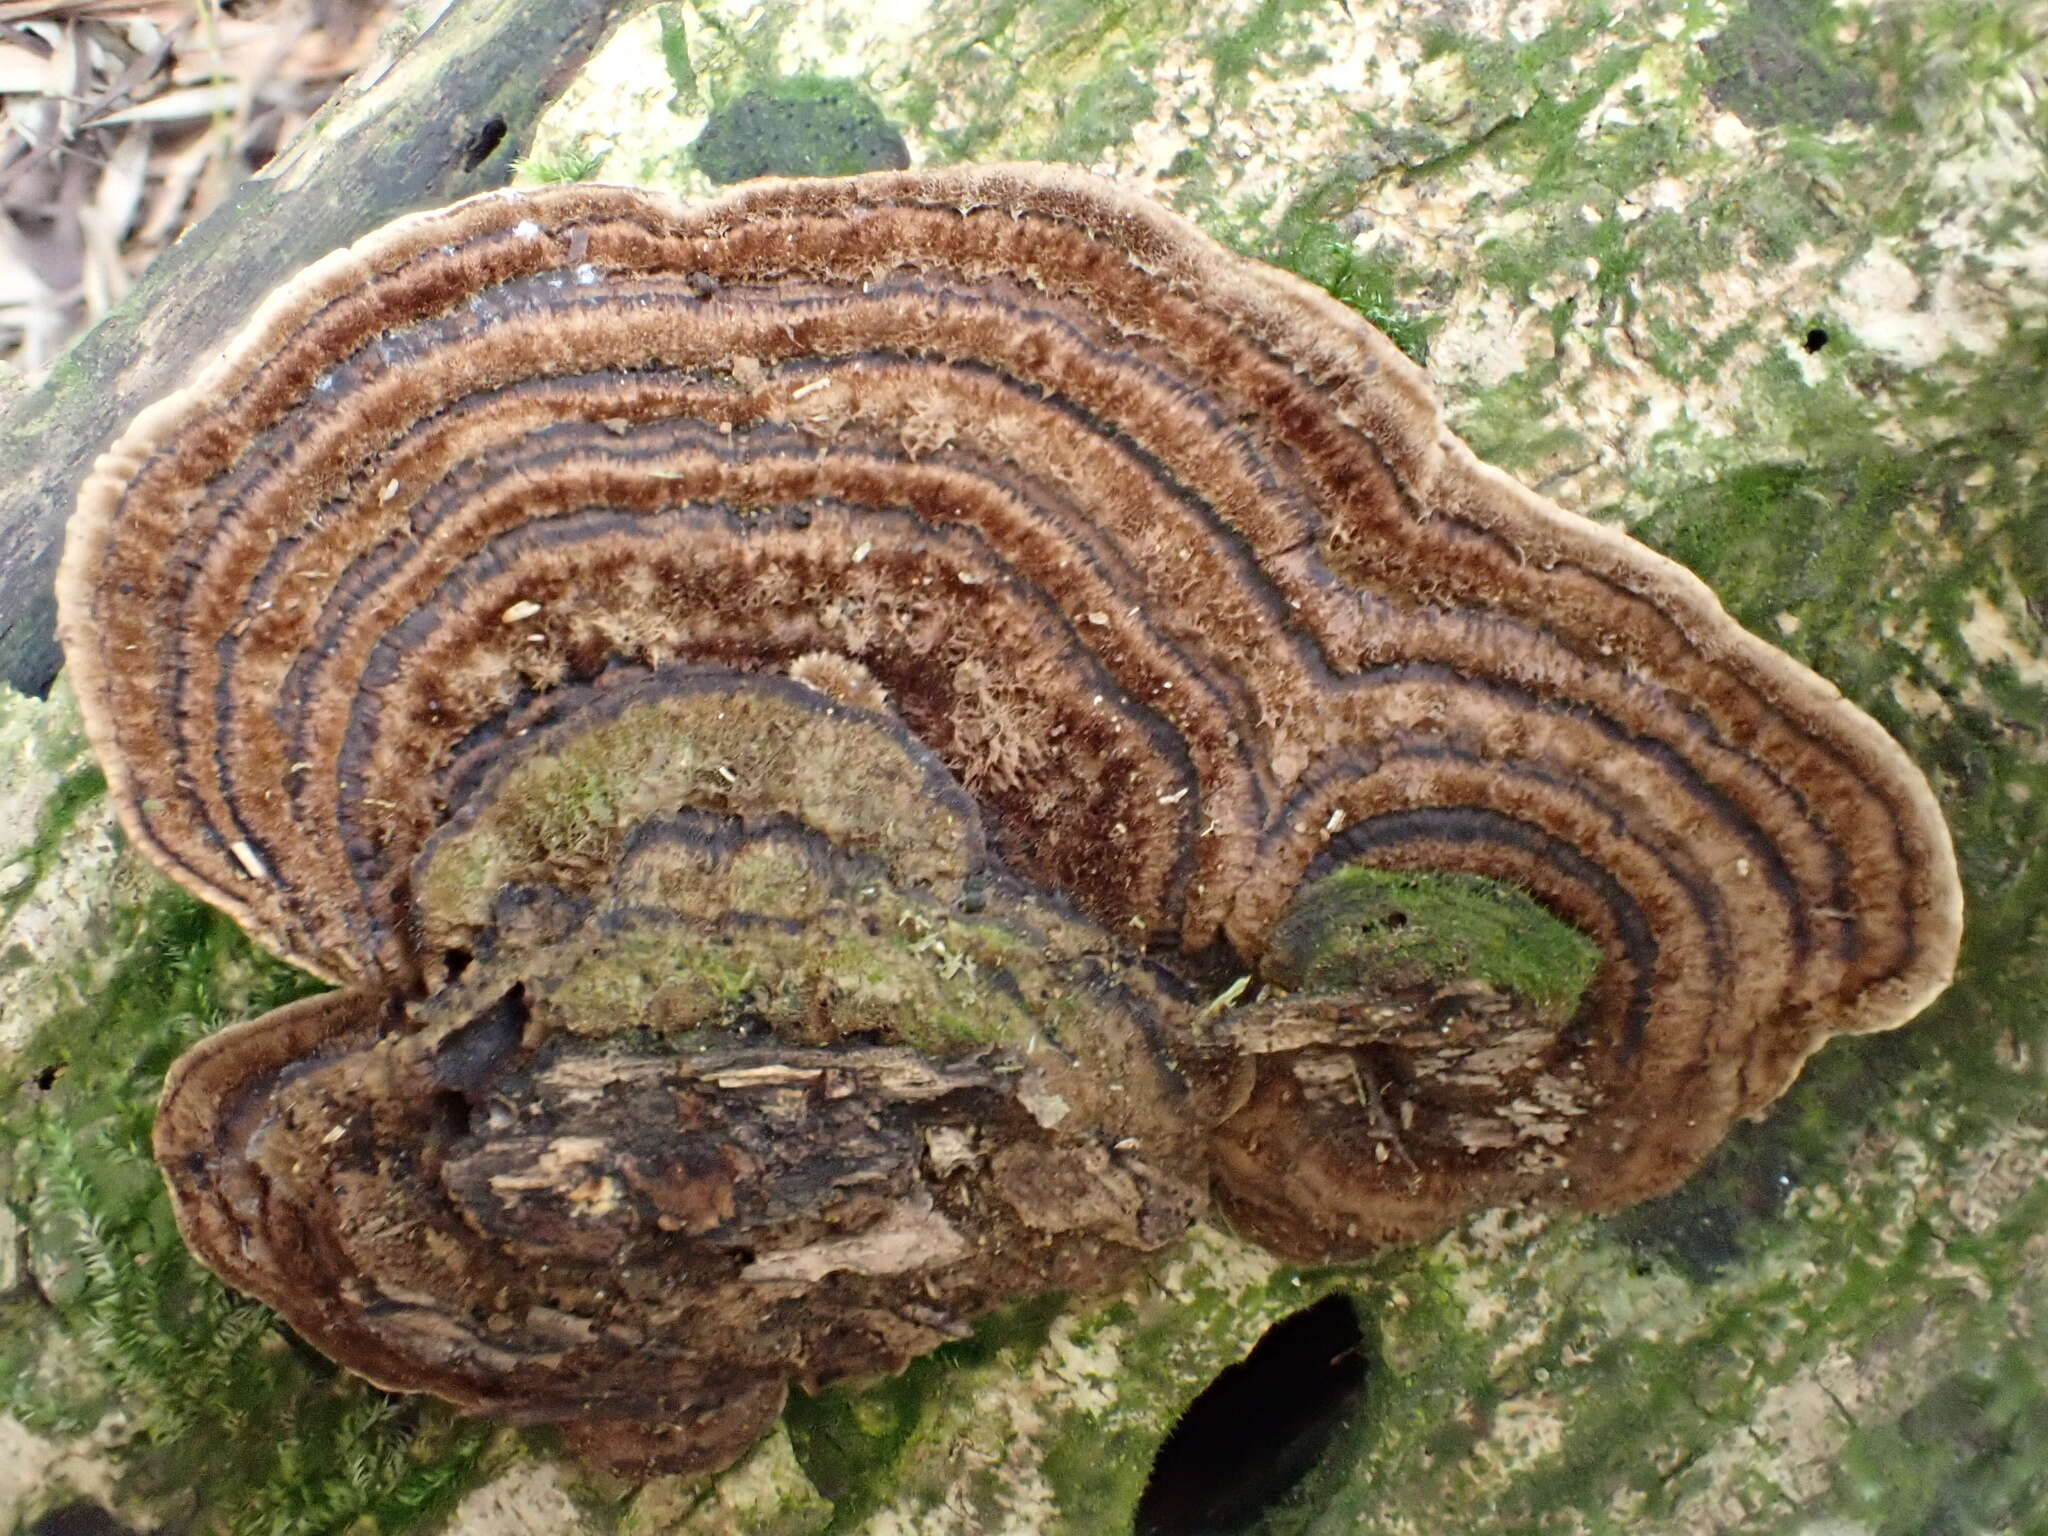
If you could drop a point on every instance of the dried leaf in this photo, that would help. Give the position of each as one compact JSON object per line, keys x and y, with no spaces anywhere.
{"x":195,"y":104}
{"x":106,"y":221}
{"x":24,"y":72}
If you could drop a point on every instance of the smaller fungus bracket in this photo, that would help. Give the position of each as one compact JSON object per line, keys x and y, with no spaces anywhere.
{"x":554,"y":1203}
{"x":784,"y":1085}
{"x":1416,"y":1046}
{"x":958,"y":619}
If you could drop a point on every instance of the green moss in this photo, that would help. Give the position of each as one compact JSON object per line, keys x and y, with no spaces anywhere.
{"x":851,"y":1440}
{"x":565,"y":812}
{"x":1791,"y":534}
{"x":168,"y":993}
{"x":1782,"y":61}
{"x":1317,"y":252}
{"x":213,"y":1394}
{"x":1362,"y":923}
{"x":576,"y":163}
{"x":570,"y":808}
{"x":886,"y":963}
{"x":1309,"y":240}
{"x":1560,"y":171}
{"x":801,"y":125}
{"x":847,"y":1441}
{"x":692,"y":972}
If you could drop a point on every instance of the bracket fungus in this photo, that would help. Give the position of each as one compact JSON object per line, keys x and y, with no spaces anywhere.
{"x":845,"y":748}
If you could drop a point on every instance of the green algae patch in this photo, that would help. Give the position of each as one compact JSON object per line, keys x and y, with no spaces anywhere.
{"x":765,"y":1493}
{"x":1782,"y":61}
{"x":675,"y":57}
{"x":1360,"y":924}
{"x":1103,"y":111}
{"x":1970,"y":1455}
{"x":1274,"y":37}
{"x":802,"y":125}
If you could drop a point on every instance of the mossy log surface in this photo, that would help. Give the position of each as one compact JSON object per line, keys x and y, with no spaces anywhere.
{"x":1766,"y":283}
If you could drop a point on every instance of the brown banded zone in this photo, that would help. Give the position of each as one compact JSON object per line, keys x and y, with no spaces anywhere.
{"x":1167,"y":556}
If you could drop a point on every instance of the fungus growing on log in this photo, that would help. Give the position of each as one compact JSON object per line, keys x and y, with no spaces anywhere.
{"x":855,"y":748}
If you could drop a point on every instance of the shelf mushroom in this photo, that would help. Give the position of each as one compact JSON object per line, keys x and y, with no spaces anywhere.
{"x":839,"y":742}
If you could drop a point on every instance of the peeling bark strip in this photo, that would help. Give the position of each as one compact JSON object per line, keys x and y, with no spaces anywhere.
{"x":961,"y":612}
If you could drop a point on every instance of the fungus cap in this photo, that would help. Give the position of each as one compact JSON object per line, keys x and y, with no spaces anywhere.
{"x":992,"y":532}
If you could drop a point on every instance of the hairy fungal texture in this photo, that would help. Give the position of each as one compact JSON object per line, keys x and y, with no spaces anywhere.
{"x":789,"y":720}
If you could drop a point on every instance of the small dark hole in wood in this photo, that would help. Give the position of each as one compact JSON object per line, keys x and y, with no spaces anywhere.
{"x":82,"y":1518}
{"x":1260,"y":1427}
{"x":487,"y":138}
{"x":259,"y":142}
{"x":1816,"y":338}
{"x":457,"y":961}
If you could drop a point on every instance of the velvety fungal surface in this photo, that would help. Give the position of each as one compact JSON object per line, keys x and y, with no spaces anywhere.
{"x":855,"y":748}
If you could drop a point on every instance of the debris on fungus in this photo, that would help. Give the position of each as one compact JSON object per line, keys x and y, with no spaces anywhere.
{"x":866,"y":748}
